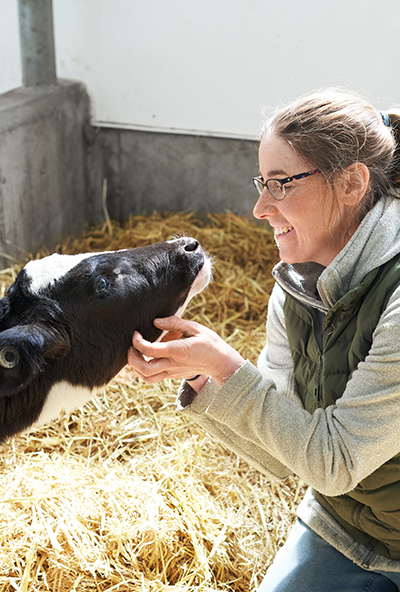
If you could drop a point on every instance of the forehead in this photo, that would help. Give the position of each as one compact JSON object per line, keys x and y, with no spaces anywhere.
{"x":277,"y":157}
{"x":44,"y":272}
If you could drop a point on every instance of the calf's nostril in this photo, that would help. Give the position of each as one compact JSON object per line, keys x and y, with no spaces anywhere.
{"x":191,"y":246}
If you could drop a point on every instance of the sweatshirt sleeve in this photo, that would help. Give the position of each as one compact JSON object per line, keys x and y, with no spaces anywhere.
{"x":254,"y":454}
{"x":278,"y":366}
{"x":275,"y":360}
{"x":333,"y":449}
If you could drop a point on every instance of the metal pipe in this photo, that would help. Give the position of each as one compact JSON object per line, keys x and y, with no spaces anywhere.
{"x":37,"y":42}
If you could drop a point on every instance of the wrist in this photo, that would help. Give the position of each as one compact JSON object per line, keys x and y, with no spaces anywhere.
{"x":194,"y":378}
{"x":198,"y":382}
{"x":229,"y":371}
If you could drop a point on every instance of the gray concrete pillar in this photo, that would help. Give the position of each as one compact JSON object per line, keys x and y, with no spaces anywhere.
{"x":37,"y":42}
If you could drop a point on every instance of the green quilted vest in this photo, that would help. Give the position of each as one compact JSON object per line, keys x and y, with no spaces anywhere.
{"x":371,"y":511}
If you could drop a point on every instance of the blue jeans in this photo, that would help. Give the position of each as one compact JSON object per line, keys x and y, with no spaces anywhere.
{"x":307,"y":563}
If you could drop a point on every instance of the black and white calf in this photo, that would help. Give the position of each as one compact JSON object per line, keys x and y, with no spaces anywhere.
{"x":66,"y":323}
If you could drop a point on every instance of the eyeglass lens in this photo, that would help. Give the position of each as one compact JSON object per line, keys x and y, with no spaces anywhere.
{"x":274,"y":187}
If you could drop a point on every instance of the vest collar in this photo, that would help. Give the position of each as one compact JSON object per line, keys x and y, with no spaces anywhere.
{"x":376,"y":241}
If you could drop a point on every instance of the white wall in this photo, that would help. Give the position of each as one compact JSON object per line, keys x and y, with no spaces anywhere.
{"x":10,"y":54}
{"x":210,"y":65}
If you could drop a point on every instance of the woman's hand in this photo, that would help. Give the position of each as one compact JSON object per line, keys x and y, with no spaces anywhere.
{"x":186,"y":350}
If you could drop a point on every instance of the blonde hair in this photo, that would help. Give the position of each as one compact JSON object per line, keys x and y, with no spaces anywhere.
{"x":332,"y":129}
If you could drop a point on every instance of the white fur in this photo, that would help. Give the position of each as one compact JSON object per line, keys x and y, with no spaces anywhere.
{"x":64,"y":396}
{"x":43,"y":272}
{"x":201,"y":281}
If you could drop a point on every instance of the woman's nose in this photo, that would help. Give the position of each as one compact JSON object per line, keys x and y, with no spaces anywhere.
{"x":265,"y":206}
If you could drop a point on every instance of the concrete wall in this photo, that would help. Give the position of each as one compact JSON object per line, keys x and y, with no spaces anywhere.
{"x":44,"y":183}
{"x":53,"y":163}
{"x":161,"y":96}
{"x":149,"y":172}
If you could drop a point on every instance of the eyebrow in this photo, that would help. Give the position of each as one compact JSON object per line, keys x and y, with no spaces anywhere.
{"x":272,"y":174}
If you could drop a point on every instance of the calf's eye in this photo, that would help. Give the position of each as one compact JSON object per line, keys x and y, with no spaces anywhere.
{"x":9,"y":357}
{"x":102,"y":285}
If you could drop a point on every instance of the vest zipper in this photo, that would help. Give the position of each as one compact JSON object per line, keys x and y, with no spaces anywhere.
{"x":318,"y":385}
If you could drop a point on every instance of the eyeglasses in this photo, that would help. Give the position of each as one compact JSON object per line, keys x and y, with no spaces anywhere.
{"x":276,"y":187}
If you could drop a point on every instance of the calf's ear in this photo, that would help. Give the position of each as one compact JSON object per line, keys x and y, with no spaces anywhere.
{"x":24,"y":352}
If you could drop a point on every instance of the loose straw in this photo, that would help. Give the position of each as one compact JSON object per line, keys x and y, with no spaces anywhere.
{"x":127,"y":493}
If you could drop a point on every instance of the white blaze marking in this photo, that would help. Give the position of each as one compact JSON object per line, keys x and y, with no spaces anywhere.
{"x":44,"y":272}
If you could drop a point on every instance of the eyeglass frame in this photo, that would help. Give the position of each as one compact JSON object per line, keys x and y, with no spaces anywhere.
{"x":257,"y":182}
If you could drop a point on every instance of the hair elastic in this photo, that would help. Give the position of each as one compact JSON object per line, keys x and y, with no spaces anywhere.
{"x":385,"y":118}
{"x":194,"y":378}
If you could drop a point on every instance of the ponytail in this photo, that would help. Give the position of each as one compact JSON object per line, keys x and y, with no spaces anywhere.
{"x":394,"y":169}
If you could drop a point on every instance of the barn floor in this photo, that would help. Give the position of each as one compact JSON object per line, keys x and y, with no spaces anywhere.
{"x":127,"y":493}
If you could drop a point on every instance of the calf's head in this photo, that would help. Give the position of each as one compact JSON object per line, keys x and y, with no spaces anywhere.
{"x":67,"y":322}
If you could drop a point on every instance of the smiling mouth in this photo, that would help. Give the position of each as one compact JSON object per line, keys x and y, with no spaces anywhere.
{"x":280,"y":230}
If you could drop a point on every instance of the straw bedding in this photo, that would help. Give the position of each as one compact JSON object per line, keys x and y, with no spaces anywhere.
{"x":127,"y":493}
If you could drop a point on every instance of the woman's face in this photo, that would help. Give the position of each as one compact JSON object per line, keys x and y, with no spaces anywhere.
{"x":308,"y":223}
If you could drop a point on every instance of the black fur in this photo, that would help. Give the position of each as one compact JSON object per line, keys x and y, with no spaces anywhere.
{"x":79,"y":328}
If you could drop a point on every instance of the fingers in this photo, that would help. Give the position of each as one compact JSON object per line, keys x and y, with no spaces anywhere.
{"x":171,"y":336}
{"x":148,"y":372}
{"x":152,"y":379}
{"x":152,"y":361}
{"x":134,"y":356}
{"x":175,"y":328}
{"x":189,"y":349}
{"x":176,"y":324}
{"x":147,"y":348}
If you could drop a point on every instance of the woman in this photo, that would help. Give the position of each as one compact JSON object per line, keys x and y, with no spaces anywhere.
{"x":324,"y":402}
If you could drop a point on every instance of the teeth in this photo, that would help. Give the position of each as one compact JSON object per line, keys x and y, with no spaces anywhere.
{"x":282,"y":230}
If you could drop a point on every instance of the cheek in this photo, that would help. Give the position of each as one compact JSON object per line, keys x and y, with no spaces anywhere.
{"x":335,"y":218}
{"x":326,"y":215}
{"x":315,"y":222}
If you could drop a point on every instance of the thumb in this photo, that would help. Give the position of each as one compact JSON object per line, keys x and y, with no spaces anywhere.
{"x":175,"y":323}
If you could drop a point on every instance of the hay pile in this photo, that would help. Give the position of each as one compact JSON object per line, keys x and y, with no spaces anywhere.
{"x":126,"y":493}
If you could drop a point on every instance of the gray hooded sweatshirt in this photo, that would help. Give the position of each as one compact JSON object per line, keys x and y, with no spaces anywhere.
{"x":259,"y":415}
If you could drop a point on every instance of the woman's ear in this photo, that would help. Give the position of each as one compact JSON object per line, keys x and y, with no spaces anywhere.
{"x":355,"y":181}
